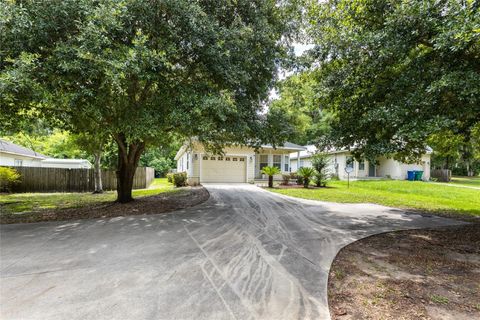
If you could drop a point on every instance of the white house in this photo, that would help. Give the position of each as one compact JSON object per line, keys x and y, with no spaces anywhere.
{"x":384,"y":167}
{"x":14,"y":155}
{"x":237,"y":164}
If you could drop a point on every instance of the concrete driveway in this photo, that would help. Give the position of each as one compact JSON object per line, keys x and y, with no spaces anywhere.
{"x":244,"y":254}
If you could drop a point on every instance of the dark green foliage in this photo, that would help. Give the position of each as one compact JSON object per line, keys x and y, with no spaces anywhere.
{"x":320,"y":162}
{"x":394,"y":72}
{"x":306,"y":173}
{"x":301,"y":106}
{"x":145,"y":73}
{"x":180,"y":179}
{"x":170,"y":177}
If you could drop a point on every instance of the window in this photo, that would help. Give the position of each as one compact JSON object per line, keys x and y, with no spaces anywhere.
{"x":301,"y":164}
{"x":242,"y":159}
{"x":205,"y":158}
{"x":212,"y":158}
{"x":263,"y":161}
{"x":286,"y":164}
{"x":220,"y":158}
{"x":227,"y":159}
{"x":188,"y":159}
{"x":361,"y":165}
{"x":234,"y":159}
{"x":18,"y":162}
{"x":349,"y":162}
{"x":277,"y":161}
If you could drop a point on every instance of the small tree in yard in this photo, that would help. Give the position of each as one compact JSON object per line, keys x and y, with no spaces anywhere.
{"x":320,"y":164}
{"x":270,"y":172}
{"x":146,"y":72}
{"x":306,"y":173}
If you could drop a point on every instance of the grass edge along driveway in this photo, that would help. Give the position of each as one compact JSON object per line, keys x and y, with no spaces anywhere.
{"x":418,"y":195}
{"x":30,"y":202}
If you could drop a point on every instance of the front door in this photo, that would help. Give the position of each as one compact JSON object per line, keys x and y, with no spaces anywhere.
{"x":371,"y":169}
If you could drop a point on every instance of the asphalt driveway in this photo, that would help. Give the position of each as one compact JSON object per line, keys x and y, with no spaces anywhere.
{"x":244,"y":254}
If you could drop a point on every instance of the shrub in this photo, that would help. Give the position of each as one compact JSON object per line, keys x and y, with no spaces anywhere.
{"x":180,"y":179}
{"x":8,"y":177}
{"x":298,"y":179}
{"x":320,"y":179}
{"x":170,"y":177}
{"x":270,"y":172}
{"x":320,"y":164}
{"x":306,"y":173}
{"x":285,"y":179}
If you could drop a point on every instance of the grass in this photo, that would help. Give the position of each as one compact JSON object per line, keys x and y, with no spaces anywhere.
{"x":466,"y":181}
{"x":418,"y":195}
{"x":28,"y":202}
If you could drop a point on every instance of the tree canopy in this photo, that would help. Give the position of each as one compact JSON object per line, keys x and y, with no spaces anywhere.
{"x":395,"y":72}
{"x":144,"y":72}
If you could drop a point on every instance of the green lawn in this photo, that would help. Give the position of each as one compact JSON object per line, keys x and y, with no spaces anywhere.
{"x":466,"y":181}
{"x":419,"y":195}
{"x":27,"y":202}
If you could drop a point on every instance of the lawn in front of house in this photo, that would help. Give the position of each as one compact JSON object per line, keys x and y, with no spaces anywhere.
{"x":425,"y":196}
{"x":466,"y":181}
{"x":28,"y":202}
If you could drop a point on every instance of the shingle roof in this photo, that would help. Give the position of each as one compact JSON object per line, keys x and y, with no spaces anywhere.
{"x":9,"y":147}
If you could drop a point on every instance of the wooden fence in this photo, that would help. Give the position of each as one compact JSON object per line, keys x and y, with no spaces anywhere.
{"x":443,"y":175}
{"x":35,"y":179}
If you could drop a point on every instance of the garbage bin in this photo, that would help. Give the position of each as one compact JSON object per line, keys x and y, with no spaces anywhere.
{"x":418,"y":175}
{"x":411,"y":175}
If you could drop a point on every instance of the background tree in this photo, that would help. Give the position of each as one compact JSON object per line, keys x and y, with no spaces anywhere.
{"x":299,"y":103}
{"x":144,"y":72}
{"x":394,"y":72}
{"x":94,"y":145}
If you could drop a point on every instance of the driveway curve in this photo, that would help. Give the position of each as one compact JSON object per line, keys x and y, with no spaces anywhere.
{"x":246,"y":253}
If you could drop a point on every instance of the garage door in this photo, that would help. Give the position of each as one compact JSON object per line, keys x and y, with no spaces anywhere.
{"x":223,"y":169}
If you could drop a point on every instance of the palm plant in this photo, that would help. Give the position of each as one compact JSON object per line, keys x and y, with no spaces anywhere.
{"x":306,"y":173}
{"x":320,"y":162}
{"x":270,"y":172}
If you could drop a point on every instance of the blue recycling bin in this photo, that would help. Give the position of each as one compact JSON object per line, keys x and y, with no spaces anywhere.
{"x":410,"y":175}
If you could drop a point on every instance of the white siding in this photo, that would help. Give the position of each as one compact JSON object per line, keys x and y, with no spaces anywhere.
{"x":8,"y":160}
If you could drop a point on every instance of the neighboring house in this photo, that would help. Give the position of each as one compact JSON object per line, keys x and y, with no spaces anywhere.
{"x":237,"y":164}
{"x":14,"y":155}
{"x":384,"y":167}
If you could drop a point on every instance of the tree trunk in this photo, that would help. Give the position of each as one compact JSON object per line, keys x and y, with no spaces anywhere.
{"x":97,"y":172}
{"x":270,"y":181}
{"x":128,"y":158}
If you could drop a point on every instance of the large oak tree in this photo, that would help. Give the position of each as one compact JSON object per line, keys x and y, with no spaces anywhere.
{"x":396,"y":71}
{"x":144,"y":71}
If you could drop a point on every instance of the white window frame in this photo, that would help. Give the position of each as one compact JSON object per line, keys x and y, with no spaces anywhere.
{"x":261,"y":162}
{"x":278,"y":163}
{"x":286,"y":165}
{"x":18,"y":162}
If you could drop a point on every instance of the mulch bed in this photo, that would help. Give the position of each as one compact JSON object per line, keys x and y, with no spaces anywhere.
{"x":187,"y":197}
{"x":419,"y":274}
